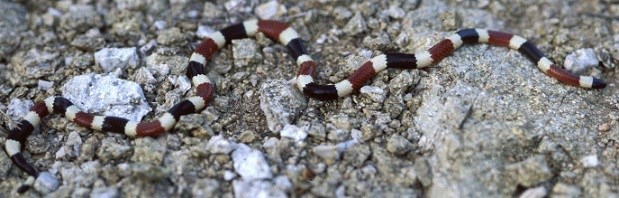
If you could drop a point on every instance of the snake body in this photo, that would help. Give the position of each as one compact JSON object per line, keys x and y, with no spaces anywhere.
{"x":287,"y":36}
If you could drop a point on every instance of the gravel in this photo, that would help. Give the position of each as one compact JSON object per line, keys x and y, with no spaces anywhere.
{"x":484,"y":122}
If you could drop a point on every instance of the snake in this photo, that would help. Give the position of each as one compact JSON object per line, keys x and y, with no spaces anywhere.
{"x":284,"y":34}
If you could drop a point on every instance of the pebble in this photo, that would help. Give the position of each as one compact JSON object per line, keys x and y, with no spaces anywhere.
{"x":149,"y":151}
{"x":282,"y":182}
{"x":36,"y":63}
{"x":581,"y":60}
{"x":171,"y":36}
{"x":328,"y":153}
{"x":205,"y":188}
{"x":229,"y":175}
{"x":89,"y":41}
{"x":281,"y":103}
{"x":204,"y":31}
{"x":111,"y":59}
{"x":5,"y":165}
{"x":130,"y":4}
{"x":233,"y":4}
{"x":605,"y":127}
{"x":376,"y":94}
{"x":355,"y":25}
{"x":357,"y":154}
{"x":71,"y":147}
{"x":18,"y":108}
{"x":270,"y":10}
{"x":395,"y":12}
{"x":531,"y":171}
{"x":80,"y":18}
{"x":46,"y":182}
{"x":538,"y":192}
{"x":106,"y":95}
{"x":105,"y":192}
{"x":45,"y":85}
{"x":398,"y":145}
{"x":218,"y":144}
{"x":111,"y":149}
{"x":245,"y":52}
{"x":250,"y":164}
{"x":293,"y":132}
{"x":12,"y":23}
{"x":261,"y":189}
{"x":590,"y":161}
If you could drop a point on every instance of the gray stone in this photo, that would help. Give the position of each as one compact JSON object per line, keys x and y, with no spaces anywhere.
{"x":18,"y":108}
{"x":170,"y":36}
{"x":377,"y":94}
{"x":105,"y":192}
{"x":12,"y":23}
{"x":89,"y":41}
{"x":269,"y":10}
{"x":281,"y":103}
{"x":80,"y":18}
{"x":36,"y":63}
{"x":250,"y":164}
{"x":246,"y":52}
{"x":111,"y":149}
{"x":46,"y":182}
{"x":293,"y":132}
{"x":111,"y":59}
{"x":106,"y":95}
{"x":355,"y":25}
{"x":581,"y":60}
{"x":71,"y":147}
{"x":205,"y":188}
{"x":148,"y":151}
{"x":566,"y":190}
{"x":84,"y":175}
{"x":256,"y":188}
{"x":5,"y":165}
{"x":328,"y":153}
{"x":538,"y":192}
{"x":218,"y":144}
{"x":531,"y":171}
{"x":398,"y":145}
{"x":45,"y":85}
{"x":357,"y":154}
{"x":130,"y":4}
{"x":211,"y":10}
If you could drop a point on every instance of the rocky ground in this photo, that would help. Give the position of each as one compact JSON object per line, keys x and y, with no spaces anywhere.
{"x":483,"y":122}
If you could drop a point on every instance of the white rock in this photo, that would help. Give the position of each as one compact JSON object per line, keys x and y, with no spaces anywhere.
{"x":538,"y":192}
{"x":71,"y":147}
{"x":258,"y":189}
{"x":581,"y":60}
{"x":270,"y":10}
{"x":107,"y":95}
{"x":46,"y":182}
{"x":293,"y":132}
{"x":112,"y":58}
{"x":282,"y":182}
{"x":233,"y":4}
{"x":375,"y":93}
{"x":590,"y":161}
{"x":343,"y":146}
{"x":18,"y":108}
{"x":204,"y":31}
{"x":250,"y":164}
{"x":159,"y":24}
{"x":229,"y":175}
{"x":104,"y":192}
{"x":45,"y":85}
{"x":218,"y":144}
